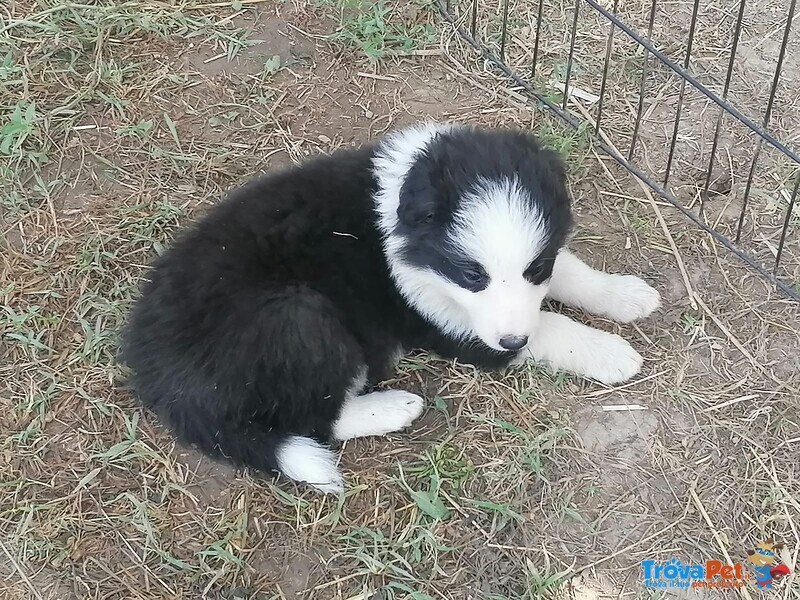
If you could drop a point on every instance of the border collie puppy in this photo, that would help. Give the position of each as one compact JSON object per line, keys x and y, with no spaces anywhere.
{"x":262,"y":330}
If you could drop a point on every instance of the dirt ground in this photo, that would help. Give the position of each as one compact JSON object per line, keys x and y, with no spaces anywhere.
{"x":123,"y":121}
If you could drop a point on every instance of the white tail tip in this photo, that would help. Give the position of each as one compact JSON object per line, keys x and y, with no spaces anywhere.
{"x":304,"y":460}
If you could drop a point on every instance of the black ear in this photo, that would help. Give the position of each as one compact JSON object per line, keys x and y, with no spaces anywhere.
{"x":556,"y":164}
{"x":417,"y":198}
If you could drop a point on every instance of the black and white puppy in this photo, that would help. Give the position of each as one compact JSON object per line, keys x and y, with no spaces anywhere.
{"x":261,"y":330}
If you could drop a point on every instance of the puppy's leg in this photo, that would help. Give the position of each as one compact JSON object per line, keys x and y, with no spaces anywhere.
{"x":376,"y":413}
{"x":621,"y":298}
{"x":564,"y":344}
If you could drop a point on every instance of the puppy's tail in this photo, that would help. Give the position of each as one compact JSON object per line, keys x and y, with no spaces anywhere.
{"x":296,"y":457}
{"x":303,"y":459}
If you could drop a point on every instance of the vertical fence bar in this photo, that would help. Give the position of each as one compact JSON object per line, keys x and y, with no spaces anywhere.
{"x":536,"y":43}
{"x":726,"y":88}
{"x":767,"y":113}
{"x":679,"y":110}
{"x":504,"y":30}
{"x":748,"y":186}
{"x":571,"y":55}
{"x":609,"y":46}
{"x":474,"y":21}
{"x":643,"y":82}
{"x":786,"y":222}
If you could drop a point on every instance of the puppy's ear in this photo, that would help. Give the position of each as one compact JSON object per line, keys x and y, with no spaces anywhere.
{"x":555,"y":163}
{"x":417,"y":198}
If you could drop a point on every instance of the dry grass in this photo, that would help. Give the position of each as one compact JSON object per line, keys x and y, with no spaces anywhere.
{"x":124,"y":119}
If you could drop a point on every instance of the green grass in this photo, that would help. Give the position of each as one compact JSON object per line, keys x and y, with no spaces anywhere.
{"x":447,"y":463}
{"x":573,"y":144}
{"x":405,"y":560}
{"x":637,"y":223}
{"x":690,"y":322}
{"x":27,"y":327}
{"x":375,"y":29}
{"x":32,"y":409}
{"x":533,"y":447}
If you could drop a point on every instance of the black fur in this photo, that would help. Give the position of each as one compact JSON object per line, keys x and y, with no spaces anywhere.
{"x":256,"y":321}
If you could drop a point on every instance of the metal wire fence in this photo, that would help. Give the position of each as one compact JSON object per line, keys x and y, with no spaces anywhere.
{"x":682,"y":106}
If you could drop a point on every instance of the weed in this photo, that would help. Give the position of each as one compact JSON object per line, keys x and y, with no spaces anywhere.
{"x":32,"y":407}
{"x":428,"y":500}
{"x":566,"y":510}
{"x":273,"y":64}
{"x":128,"y":450}
{"x":369,"y":26}
{"x":447,"y":464}
{"x":27,"y":327}
{"x":558,"y":380}
{"x":537,"y":585}
{"x":412,"y":557}
{"x":542,"y":584}
{"x":143,"y":517}
{"x":18,"y":128}
{"x":533,"y":447}
{"x":140,"y":130}
{"x":690,"y":322}
{"x":638,"y":223}
{"x":573,"y":144}
{"x":224,"y":551}
{"x":501,"y":513}
{"x":409,"y":592}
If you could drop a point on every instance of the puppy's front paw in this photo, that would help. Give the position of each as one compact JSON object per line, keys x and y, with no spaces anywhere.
{"x":398,"y":410}
{"x":610,"y":359}
{"x":629,"y":298}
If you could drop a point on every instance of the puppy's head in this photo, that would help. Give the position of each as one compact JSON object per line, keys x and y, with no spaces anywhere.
{"x":480,"y":217}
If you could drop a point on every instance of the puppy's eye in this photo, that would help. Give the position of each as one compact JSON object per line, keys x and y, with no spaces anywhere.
{"x":539,"y":271}
{"x":475,"y":278}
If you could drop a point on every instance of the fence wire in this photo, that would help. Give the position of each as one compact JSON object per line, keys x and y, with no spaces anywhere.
{"x":543,"y":50}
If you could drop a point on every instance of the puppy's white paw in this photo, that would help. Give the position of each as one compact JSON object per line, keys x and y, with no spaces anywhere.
{"x":628,"y":298}
{"x":377,"y":413}
{"x":305,"y":460}
{"x":609,"y":359}
{"x":396,"y":410}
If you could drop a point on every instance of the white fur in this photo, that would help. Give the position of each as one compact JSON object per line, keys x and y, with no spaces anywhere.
{"x":566,"y":345}
{"x":497,"y":228}
{"x":303,"y":459}
{"x":621,"y":298}
{"x":377,"y":413}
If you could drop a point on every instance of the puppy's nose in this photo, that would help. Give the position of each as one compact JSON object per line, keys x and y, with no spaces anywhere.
{"x":513,"y":342}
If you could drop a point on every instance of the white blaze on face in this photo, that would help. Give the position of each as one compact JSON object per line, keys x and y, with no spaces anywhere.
{"x":499,"y":227}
